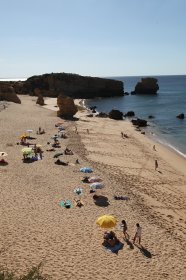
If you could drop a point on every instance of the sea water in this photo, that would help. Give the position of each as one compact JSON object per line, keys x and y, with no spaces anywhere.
{"x":165,"y":106}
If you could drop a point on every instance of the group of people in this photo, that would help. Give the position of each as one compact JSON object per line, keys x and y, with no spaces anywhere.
{"x":110,"y":238}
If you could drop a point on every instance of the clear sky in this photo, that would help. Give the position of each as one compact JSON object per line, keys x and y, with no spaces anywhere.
{"x":92,"y":37}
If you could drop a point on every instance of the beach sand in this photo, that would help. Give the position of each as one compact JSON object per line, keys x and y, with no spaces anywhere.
{"x":34,"y":228}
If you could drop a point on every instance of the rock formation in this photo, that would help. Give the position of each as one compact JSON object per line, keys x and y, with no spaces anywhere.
{"x":139,"y":122}
{"x":146,"y":86}
{"x":129,"y":114}
{"x":75,"y":86}
{"x":102,"y":115}
{"x":180,"y":116}
{"x":67,"y":108}
{"x":7,"y":93}
{"x":40,"y":100}
{"x":116,"y":115}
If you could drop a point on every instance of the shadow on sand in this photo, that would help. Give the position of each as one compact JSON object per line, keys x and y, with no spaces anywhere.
{"x":129,"y":243}
{"x":144,"y":251}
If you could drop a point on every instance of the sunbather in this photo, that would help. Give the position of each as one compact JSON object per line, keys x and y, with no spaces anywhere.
{"x":110,"y":239}
{"x":68,"y":152}
{"x":78,"y":202}
{"x":60,"y":162}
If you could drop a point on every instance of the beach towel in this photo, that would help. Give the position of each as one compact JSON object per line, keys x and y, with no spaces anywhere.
{"x":78,"y":191}
{"x":94,"y":179}
{"x":114,"y":249}
{"x":96,"y":186}
{"x":68,"y":203}
{"x":86,"y":170}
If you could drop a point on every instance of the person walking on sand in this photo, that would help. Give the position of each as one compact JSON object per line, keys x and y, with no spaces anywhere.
{"x":154,"y":148}
{"x":156,"y":164}
{"x":124,"y":226}
{"x":137,"y":234}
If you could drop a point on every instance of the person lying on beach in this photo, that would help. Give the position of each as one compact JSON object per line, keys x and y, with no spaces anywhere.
{"x":68,"y":152}
{"x":60,"y":162}
{"x":3,"y":162}
{"x":50,"y":150}
{"x":67,"y":204}
{"x":56,"y":145}
{"x":40,"y":131}
{"x":110,"y":239}
{"x":116,"y":197}
{"x":85,"y":179}
{"x":78,"y":203}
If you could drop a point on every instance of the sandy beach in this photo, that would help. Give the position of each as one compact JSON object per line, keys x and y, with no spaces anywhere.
{"x":34,"y":228}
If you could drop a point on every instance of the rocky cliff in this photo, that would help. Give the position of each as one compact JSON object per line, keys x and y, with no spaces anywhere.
{"x":75,"y":86}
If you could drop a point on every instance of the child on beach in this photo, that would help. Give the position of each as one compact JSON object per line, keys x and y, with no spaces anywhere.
{"x":137,"y":234}
{"x":156,"y":164}
{"x":124,"y":226}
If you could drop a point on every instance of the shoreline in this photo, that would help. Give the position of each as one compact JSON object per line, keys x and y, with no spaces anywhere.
{"x":156,"y":139}
{"x":166,"y":151}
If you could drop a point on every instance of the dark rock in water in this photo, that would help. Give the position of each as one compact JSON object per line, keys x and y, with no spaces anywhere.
{"x":147,"y":86}
{"x":129,"y":114}
{"x":67,"y":108}
{"x":92,"y":107}
{"x":180,"y":116}
{"x":126,"y":93}
{"x":102,"y":115}
{"x":139,"y":122}
{"x":116,"y":115}
{"x":133,"y":92}
{"x":94,"y":111}
{"x":151,"y":117}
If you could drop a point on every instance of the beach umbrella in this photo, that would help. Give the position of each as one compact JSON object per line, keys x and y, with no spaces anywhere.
{"x":29,"y":131}
{"x":96,"y":185}
{"x":23,"y":136}
{"x":106,"y":221}
{"x":86,"y":170}
{"x":27,"y":151}
{"x":3,"y":154}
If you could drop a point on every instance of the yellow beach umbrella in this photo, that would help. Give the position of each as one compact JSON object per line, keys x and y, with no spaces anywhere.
{"x":106,"y":221}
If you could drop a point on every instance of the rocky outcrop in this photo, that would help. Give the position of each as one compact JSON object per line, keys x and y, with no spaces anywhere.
{"x":75,"y":86}
{"x":180,"y":116}
{"x":67,"y":108}
{"x":139,"y":122}
{"x":116,"y":115}
{"x":129,"y":114}
{"x":146,"y":86}
{"x":40,"y":100}
{"x":102,"y":115}
{"x":7,"y":93}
